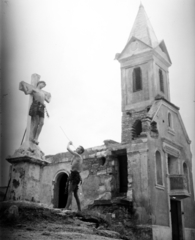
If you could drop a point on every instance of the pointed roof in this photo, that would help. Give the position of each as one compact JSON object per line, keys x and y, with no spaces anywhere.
{"x":156,"y":106}
{"x":142,"y":29}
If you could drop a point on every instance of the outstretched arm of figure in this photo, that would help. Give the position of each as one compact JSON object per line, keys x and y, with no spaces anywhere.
{"x":47,"y":96}
{"x":70,"y":150}
{"x":26,"y":88}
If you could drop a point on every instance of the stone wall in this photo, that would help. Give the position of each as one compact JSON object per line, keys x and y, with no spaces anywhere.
{"x":128,"y":119}
{"x":100,"y":179}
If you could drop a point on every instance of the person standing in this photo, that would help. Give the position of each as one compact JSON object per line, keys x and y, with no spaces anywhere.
{"x":74,"y":178}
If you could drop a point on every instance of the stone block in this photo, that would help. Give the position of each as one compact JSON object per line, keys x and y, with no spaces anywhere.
{"x":34,"y":172}
{"x":107,"y":196}
{"x":108,"y":184}
{"x":130,"y":180}
{"x":84,"y":174}
{"x":95,"y":166}
{"x":109,"y":170}
{"x":102,"y":179}
{"x":130,"y":194}
{"x":101,"y":172}
{"x":102,"y":189}
{"x":90,"y":187}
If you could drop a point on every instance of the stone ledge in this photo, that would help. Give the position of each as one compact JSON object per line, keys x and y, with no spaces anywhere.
{"x":27,"y":159}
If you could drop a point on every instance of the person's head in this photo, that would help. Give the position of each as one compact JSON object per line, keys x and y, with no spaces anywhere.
{"x":41,"y":84}
{"x":80,"y":150}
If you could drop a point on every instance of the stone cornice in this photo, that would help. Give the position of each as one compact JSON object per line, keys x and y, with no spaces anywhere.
{"x":171,"y":148}
{"x":27,"y":159}
{"x":171,"y":151}
{"x":169,"y":142}
{"x":156,"y":54}
{"x":141,"y":58}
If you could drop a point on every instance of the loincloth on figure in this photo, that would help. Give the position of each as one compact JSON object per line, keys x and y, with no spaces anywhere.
{"x":37,"y":108}
{"x":75,"y":179}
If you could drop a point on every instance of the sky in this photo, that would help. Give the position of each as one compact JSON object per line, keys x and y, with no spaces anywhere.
{"x":72,"y":45}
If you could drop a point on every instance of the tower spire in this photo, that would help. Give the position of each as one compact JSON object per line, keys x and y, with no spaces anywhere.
{"x":142,"y":28}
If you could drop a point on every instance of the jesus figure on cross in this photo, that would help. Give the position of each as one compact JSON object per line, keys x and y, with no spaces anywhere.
{"x":37,"y":106}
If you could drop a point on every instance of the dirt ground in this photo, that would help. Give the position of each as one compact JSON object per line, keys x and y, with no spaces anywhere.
{"x":49,"y":232}
{"x":34,"y":223}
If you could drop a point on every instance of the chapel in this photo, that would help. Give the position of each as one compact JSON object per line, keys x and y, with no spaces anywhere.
{"x":150,"y":169}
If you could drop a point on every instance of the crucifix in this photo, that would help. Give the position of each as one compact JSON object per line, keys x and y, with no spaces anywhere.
{"x":35,"y":119}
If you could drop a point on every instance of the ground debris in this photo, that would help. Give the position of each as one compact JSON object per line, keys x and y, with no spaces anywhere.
{"x":49,"y":224}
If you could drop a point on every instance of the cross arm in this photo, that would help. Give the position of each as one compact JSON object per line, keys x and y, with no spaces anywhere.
{"x":26,"y":88}
{"x":47,"y":96}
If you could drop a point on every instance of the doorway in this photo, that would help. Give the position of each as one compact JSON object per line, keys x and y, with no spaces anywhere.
{"x":60,"y":197}
{"x":176,"y":219}
{"x":123,"y":182}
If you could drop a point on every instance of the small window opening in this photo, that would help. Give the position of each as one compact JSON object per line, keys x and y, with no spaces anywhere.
{"x":102,"y":161}
{"x":136,"y":129}
{"x":169,"y":120}
{"x":161,"y":80}
{"x":159,"y":178}
{"x":137,"y":79}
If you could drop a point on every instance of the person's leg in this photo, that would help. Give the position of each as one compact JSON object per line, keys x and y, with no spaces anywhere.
{"x":33,"y":128}
{"x":69,"y":200}
{"x":77,"y":199}
{"x":39,"y":127}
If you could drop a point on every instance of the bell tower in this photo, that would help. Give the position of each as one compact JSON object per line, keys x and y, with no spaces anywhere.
{"x":144,"y":65}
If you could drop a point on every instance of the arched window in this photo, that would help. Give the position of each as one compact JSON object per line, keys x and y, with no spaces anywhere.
{"x":185,"y":172}
{"x":159,"y":178}
{"x":137,"y":79}
{"x":169,"y":120}
{"x":161,"y":80}
{"x":136,"y":129}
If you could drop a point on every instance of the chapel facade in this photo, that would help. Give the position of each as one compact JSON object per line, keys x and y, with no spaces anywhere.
{"x":152,"y":166}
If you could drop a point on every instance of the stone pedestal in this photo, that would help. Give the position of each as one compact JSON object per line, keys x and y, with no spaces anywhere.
{"x":26,"y":176}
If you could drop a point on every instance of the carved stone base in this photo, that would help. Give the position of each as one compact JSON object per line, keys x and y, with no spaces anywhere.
{"x":26,"y":174}
{"x":29,"y":149}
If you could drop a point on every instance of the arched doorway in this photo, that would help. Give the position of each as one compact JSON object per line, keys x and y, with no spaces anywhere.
{"x":60,"y":197}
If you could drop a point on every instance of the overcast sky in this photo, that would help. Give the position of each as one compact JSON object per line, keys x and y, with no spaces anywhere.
{"x":72,"y":45}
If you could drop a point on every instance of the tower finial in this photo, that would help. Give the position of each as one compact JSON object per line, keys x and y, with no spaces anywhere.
{"x":141,"y":5}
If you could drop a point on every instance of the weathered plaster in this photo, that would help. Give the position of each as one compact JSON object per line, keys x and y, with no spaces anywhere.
{"x":161,"y":232}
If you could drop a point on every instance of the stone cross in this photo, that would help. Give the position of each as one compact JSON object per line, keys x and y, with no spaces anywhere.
{"x":27,"y":89}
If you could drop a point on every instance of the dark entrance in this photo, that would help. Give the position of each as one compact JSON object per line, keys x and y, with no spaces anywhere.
{"x":123,"y":182}
{"x":60,"y":198}
{"x":62,"y":195}
{"x":176,"y":220}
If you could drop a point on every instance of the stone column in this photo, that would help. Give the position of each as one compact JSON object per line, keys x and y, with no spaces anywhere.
{"x":25,"y":179}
